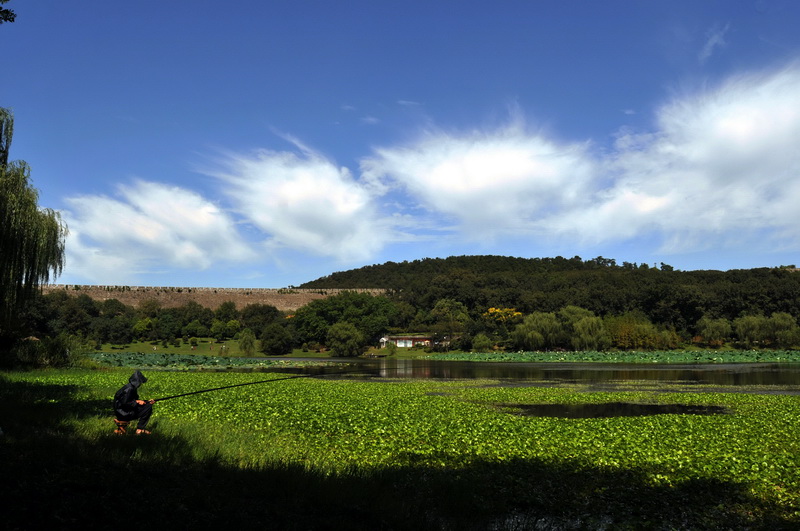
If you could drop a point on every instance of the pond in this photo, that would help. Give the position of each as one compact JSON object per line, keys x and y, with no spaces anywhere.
{"x":783,"y":378}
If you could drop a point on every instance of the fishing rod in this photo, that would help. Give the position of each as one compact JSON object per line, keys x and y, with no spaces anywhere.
{"x":269,"y":381}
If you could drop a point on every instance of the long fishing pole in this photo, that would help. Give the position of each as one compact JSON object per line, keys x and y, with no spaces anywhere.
{"x":267,"y":381}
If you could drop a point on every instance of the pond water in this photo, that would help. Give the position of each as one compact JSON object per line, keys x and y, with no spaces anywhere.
{"x":781,"y":378}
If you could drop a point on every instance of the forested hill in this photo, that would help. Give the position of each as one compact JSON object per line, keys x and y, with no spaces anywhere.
{"x":666,"y":295}
{"x":393,"y":275}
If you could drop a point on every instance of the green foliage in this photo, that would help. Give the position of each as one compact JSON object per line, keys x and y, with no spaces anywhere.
{"x":372,"y":316}
{"x":481,"y":343}
{"x":196,"y":329}
{"x":276,"y":340}
{"x":450,"y":318}
{"x":63,"y":350}
{"x":345,"y":340}
{"x":714,"y":332}
{"x":258,"y":316}
{"x":31,"y":238}
{"x":630,"y":356}
{"x":161,"y":361}
{"x":219,"y":330}
{"x":539,"y":330}
{"x":736,"y":470}
{"x":670,"y":299}
{"x":247,"y":342}
{"x":634,"y":330}
{"x":571,"y":305}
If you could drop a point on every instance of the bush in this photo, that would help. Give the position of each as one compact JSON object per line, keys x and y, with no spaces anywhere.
{"x":345,"y":340}
{"x":481,"y":343}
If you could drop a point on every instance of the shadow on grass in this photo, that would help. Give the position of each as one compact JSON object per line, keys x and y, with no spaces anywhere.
{"x":50,"y":477}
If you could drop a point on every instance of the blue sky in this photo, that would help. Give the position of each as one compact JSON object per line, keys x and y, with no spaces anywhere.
{"x":266,"y":144}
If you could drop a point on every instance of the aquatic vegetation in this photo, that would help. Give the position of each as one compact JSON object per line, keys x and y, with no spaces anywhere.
{"x":654,"y":356}
{"x":163,"y":361}
{"x":361,"y":427}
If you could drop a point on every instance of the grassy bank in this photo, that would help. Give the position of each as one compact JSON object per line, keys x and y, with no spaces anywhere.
{"x":367,"y":454}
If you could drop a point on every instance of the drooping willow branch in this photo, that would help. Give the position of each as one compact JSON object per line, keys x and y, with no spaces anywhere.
{"x":31,"y":239}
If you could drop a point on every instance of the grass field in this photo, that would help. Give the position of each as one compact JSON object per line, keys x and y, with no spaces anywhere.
{"x":369,"y":454}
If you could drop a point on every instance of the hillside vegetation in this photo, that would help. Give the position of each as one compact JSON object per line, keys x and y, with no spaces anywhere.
{"x":665,"y":295}
{"x":478,"y":303}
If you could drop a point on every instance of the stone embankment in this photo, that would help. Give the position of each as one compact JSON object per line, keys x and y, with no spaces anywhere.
{"x":285,"y":299}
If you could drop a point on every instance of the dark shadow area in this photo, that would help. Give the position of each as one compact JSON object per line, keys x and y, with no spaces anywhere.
{"x":51,"y":479}
{"x":610,"y":409}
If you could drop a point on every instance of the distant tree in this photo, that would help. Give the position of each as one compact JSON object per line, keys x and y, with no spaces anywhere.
{"x":227,"y":312}
{"x":539,"y":330}
{"x":168,"y":324}
{"x":783,"y":330}
{"x":369,"y":314}
{"x":482,"y":343}
{"x":31,"y":239}
{"x":258,"y":316}
{"x":714,"y":332}
{"x":232,"y":327}
{"x":143,"y":327}
{"x":218,"y":330}
{"x":276,"y":340}
{"x":247,"y":342}
{"x":75,"y":315}
{"x":195,"y":329}
{"x":589,"y":333}
{"x":112,"y":307}
{"x":751,"y":330}
{"x":633,"y":330}
{"x":345,"y":340}
{"x":450,"y":316}
{"x":192,"y":311}
{"x":149,"y":308}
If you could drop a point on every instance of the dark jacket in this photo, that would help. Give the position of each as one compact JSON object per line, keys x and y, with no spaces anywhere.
{"x":125,"y":399}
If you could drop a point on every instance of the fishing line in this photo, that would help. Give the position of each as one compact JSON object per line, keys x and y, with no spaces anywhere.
{"x":273,"y":380}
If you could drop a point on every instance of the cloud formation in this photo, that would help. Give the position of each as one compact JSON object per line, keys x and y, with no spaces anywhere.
{"x":150,"y":224}
{"x":490,"y":183}
{"x":305,"y":202}
{"x":715,"y":39}
{"x":720,"y":166}
{"x":723,"y":165}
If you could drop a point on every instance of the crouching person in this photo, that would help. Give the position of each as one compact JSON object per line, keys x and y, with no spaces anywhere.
{"x":128,"y":406}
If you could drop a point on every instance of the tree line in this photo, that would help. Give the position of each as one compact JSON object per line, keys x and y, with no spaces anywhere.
{"x":348,"y":323}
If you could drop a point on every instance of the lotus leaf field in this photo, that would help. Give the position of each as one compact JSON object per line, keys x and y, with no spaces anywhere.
{"x":630,"y":356}
{"x":366,"y":453}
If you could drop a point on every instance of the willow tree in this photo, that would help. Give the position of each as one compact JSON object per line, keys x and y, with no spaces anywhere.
{"x":31,"y":238}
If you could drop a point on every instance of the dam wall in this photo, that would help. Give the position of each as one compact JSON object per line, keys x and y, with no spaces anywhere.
{"x":285,"y":299}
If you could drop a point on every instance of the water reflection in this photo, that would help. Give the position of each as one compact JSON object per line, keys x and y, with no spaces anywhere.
{"x":781,"y":378}
{"x":734,"y":374}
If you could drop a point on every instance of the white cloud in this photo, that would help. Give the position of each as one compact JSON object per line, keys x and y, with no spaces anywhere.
{"x":305,"y":202}
{"x":114,"y":239}
{"x":493,"y":184}
{"x":715,"y":38}
{"x":722,"y":167}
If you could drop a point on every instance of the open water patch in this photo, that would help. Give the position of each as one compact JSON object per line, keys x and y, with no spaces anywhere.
{"x":610,"y":409}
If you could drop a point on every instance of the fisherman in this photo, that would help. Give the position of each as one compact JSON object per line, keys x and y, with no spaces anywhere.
{"x":128,"y":406}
